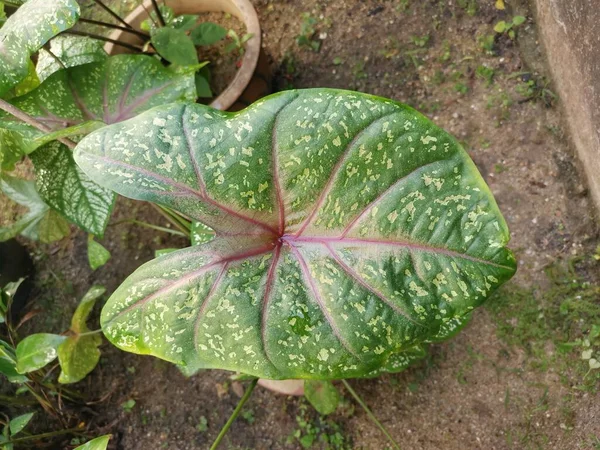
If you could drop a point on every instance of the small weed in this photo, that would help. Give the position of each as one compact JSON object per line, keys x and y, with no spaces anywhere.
{"x":402,"y":5}
{"x":202,"y":424}
{"x":485,"y":73}
{"x":420,"y":41}
{"x":358,"y":71}
{"x":470,"y":6}
{"x":461,"y":88}
{"x":499,"y":168}
{"x":307,"y":33}
{"x":337,"y":61}
{"x":248,"y":416}
{"x":128,"y":405}
{"x":320,"y":430}
{"x":446,"y":52}
{"x":509,"y":27}
{"x":487,"y":43}
{"x":532,"y":89}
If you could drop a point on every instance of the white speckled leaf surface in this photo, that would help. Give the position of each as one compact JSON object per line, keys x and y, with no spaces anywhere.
{"x":26,"y":31}
{"x":349,"y":230}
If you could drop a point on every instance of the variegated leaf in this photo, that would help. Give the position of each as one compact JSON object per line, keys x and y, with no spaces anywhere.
{"x":349,"y":229}
{"x":26,"y":31}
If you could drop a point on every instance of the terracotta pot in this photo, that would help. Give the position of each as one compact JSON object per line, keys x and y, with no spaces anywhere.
{"x":242,"y":9}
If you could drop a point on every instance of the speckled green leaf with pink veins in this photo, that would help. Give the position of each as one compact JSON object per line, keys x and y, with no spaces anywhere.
{"x":349,"y":228}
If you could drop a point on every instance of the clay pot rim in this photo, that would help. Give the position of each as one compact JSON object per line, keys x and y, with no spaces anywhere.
{"x":242,"y":9}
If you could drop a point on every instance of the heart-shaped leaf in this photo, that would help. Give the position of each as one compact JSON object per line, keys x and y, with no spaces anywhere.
{"x":78,"y":355}
{"x":175,"y":46}
{"x":349,"y":228}
{"x":207,"y":33}
{"x":26,"y":31}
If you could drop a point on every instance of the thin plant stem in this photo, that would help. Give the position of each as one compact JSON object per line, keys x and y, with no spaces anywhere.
{"x":177,"y":217}
{"x":116,"y":27}
{"x":236,"y":412}
{"x":154,"y":227}
{"x":149,"y":15}
{"x":172,"y":220}
{"x":90,"y":333}
{"x":46,"y":435}
{"x":103,"y":38}
{"x":22,"y":115}
{"x":161,"y":19}
{"x":112,"y":13}
{"x":370,"y":414}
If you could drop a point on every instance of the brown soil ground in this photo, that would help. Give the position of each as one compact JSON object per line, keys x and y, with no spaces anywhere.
{"x":501,"y":383}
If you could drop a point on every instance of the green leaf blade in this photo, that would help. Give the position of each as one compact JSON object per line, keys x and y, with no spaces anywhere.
{"x":98,"y":255}
{"x":207,"y":33}
{"x":78,"y":356}
{"x":349,"y":229}
{"x":322,"y":395}
{"x":99,"y":443}
{"x":19,"y":423}
{"x":175,"y":46}
{"x":37,"y":350}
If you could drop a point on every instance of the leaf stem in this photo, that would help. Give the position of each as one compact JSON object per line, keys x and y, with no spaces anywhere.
{"x":112,"y":13}
{"x":103,"y":38}
{"x":171,"y":219}
{"x":116,"y":27}
{"x":161,"y":19}
{"x":22,"y":115}
{"x":370,"y":414}
{"x":235,"y":413}
{"x":90,"y":333}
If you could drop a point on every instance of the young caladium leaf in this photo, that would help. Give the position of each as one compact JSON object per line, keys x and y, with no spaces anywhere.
{"x":8,"y":364}
{"x":78,"y":355}
{"x":26,"y":31}
{"x":349,"y":229}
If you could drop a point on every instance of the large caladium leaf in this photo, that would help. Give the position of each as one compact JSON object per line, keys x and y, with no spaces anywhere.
{"x":349,"y":229}
{"x":26,"y":31}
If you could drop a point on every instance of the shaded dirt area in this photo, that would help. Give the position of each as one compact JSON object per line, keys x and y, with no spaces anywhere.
{"x":503,"y":383}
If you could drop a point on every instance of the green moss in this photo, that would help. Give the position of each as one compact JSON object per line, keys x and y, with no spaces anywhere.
{"x":556,"y":326}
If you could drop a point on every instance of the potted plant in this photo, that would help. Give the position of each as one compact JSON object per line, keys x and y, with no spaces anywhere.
{"x":183,"y":15}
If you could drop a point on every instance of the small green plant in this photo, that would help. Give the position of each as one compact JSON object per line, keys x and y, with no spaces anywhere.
{"x":486,"y":73}
{"x":128,"y":405}
{"x":470,"y":6}
{"x":317,"y":431}
{"x":202,"y":425}
{"x":509,"y":27}
{"x":306,"y":38}
{"x":536,"y":88}
{"x":487,"y":43}
{"x":420,"y":41}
